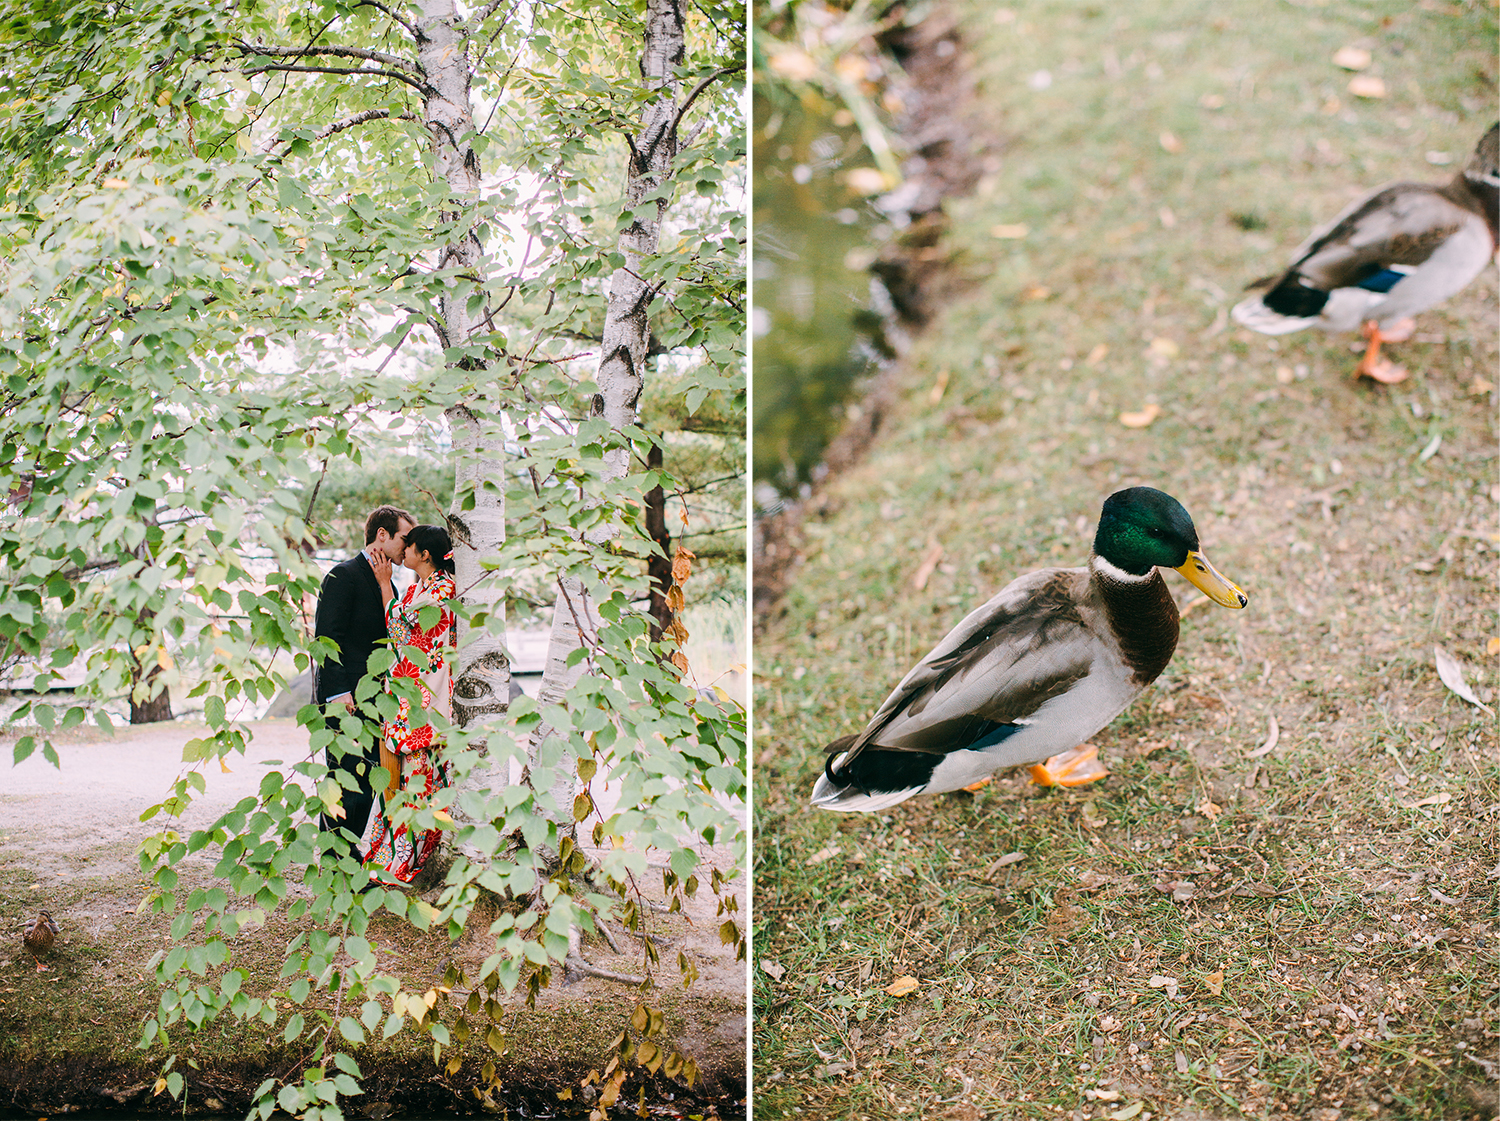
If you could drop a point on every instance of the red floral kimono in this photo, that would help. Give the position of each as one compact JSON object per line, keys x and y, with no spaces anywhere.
{"x":394,"y":851}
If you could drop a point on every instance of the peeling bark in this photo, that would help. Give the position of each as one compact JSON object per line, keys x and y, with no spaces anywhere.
{"x":626,"y":343}
{"x":482,"y":684}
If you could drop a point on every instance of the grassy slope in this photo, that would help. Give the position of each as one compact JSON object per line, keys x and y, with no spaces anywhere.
{"x":1329,"y":923}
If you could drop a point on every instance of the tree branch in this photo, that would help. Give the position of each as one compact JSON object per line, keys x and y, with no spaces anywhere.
{"x":410,"y":27}
{"x":340,"y":52}
{"x":703,"y":84}
{"x":347,"y":123}
{"x":420,"y":87}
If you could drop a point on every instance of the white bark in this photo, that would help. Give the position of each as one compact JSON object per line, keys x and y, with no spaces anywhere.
{"x":482,"y":680}
{"x":627,"y":328}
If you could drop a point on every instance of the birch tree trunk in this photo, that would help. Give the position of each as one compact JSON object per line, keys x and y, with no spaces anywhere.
{"x":482,"y":681}
{"x":622,"y":365}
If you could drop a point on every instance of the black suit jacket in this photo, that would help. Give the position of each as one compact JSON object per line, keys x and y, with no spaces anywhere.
{"x":352,"y":614}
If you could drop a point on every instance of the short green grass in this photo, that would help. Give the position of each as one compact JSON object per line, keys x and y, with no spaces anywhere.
{"x":1308,"y":932}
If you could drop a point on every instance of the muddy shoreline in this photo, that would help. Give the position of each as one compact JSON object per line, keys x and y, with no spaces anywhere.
{"x":947,"y":154}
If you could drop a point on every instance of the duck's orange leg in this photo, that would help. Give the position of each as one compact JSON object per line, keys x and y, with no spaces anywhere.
{"x":1372,"y":365}
{"x":1071,"y":768}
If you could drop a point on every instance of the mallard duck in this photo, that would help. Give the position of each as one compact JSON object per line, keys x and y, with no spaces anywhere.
{"x":1051,"y":659}
{"x":38,"y":935}
{"x":1388,"y":256}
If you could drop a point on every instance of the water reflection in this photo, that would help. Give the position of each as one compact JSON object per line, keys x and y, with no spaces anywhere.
{"x":814,"y":333}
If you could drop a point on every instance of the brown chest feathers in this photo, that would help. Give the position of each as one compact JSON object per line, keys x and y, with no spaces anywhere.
{"x":1143,"y":618}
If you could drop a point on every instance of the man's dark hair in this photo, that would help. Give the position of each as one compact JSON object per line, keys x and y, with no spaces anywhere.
{"x":388,"y":518}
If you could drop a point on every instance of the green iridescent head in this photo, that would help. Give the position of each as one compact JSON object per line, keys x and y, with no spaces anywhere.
{"x":1141,"y":528}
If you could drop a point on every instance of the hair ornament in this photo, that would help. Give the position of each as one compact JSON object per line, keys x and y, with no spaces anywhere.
{"x":448,"y":555}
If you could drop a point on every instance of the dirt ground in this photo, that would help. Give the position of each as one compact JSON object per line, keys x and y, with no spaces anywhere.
{"x":68,"y":845}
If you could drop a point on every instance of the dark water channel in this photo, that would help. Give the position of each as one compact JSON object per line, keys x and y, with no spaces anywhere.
{"x":815,"y":329}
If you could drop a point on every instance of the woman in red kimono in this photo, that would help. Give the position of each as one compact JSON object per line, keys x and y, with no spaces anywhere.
{"x":395,"y":851}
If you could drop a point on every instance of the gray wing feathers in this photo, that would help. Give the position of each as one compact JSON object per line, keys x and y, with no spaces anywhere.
{"x":1002,"y":662}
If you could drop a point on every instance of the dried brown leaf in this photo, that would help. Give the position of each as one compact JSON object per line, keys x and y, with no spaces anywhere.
{"x":1142,"y":418}
{"x":1452,"y":673}
{"x":1352,"y":58}
{"x":927,"y":566}
{"x":1367,"y":85}
{"x":902,"y":986}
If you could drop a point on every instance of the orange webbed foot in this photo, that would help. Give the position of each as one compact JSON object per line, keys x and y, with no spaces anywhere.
{"x":1375,"y":367}
{"x":1072,"y":768}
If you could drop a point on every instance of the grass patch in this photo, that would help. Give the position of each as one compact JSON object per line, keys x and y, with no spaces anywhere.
{"x":1308,"y":932}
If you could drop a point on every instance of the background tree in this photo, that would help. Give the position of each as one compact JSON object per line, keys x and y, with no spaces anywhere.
{"x":240,"y":242}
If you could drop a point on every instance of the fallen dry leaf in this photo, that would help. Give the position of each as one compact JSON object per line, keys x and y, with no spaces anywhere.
{"x":1180,"y":890}
{"x":1035,"y":292}
{"x":1164,"y":346}
{"x":902,"y":985}
{"x":1273,"y":736}
{"x":1142,"y":418}
{"x":1168,"y":984}
{"x":1128,"y":1112}
{"x":939,"y":385}
{"x":1210,"y":810}
{"x":1366,"y":85}
{"x":1004,"y":861}
{"x":1089,"y":880}
{"x":1097,"y":354}
{"x":1492,"y":647}
{"x":773,"y":970}
{"x":1169,"y":143}
{"x":1214,"y":982}
{"x":823,"y":854}
{"x":927,"y":566}
{"x":1452,"y":674}
{"x":1431,"y":800}
{"x":1009,"y":231}
{"x":1352,"y":58}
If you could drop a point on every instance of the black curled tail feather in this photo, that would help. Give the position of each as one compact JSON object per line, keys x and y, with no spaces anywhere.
{"x":834,"y":750}
{"x":1296,"y":299}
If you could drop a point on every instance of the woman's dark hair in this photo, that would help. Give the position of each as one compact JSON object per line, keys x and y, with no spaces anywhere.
{"x":435,"y":542}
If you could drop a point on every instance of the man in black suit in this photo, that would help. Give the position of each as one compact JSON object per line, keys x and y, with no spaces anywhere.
{"x":351,"y":612}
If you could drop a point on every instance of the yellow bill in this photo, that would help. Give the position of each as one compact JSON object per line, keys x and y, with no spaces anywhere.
{"x":1205,"y":577}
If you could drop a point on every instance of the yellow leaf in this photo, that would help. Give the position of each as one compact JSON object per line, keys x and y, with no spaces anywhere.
{"x":1142,"y":418}
{"x":331,"y":797}
{"x":1170,"y":143}
{"x":223,"y":766}
{"x":1352,"y":58}
{"x":116,"y":184}
{"x":1493,"y":647}
{"x":163,"y":659}
{"x":867,"y":181}
{"x":1165,"y":347}
{"x":1214,"y":982}
{"x":1366,"y":85}
{"x":1128,"y":1112}
{"x":1009,"y":231}
{"x":902,"y":985}
{"x":1097,"y":354}
{"x":792,"y":63}
{"x":161,"y":1084}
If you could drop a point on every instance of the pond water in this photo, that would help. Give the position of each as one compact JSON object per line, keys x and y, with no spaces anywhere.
{"x":815,"y":331}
